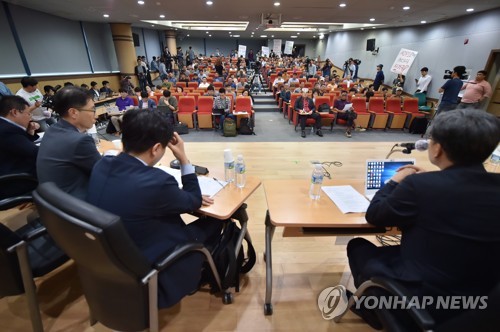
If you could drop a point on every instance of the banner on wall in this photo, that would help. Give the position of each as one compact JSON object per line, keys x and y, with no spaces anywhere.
{"x":403,"y":61}
{"x":288,"y":47}
{"x":265,"y":51}
{"x":277,"y":46}
{"x":242,"y":50}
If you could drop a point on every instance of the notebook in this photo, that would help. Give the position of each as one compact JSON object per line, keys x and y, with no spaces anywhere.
{"x":218,"y":111}
{"x":380,"y":171}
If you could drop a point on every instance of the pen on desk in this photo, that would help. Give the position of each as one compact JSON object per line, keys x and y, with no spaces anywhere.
{"x":219,"y":182}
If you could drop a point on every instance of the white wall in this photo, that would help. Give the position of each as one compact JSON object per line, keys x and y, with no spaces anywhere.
{"x":440,"y":46}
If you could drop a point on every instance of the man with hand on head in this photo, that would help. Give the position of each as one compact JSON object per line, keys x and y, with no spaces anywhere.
{"x":152,"y":214}
{"x":67,"y":153}
{"x":448,"y":218}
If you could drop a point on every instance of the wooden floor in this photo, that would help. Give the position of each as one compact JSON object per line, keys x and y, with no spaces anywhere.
{"x":303,"y":267}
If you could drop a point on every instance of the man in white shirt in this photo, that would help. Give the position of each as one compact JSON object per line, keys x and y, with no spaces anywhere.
{"x":278,"y":80}
{"x":34,"y":97}
{"x":424,"y":81}
{"x":204,"y":83}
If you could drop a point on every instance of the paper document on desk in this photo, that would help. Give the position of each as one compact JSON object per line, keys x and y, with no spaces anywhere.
{"x":347,"y":199}
{"x":209,"y":186}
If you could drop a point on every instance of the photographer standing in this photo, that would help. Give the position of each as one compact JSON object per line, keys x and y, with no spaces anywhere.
{"x":450,"y":90}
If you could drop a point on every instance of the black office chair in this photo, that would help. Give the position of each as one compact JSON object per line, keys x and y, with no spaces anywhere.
{"x":119,"y":283}
{"x":25,"y":254}
{"x":16,"y":187}
{"x":420,"y":319}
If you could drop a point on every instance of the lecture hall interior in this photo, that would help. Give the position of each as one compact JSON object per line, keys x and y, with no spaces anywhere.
{"x":300,"y":243}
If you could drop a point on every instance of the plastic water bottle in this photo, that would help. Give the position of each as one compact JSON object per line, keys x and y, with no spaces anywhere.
{"x":316,"y":181}
{"x":495,"y":160}
{"x":228,"y":165}
{"x":241,"y":177}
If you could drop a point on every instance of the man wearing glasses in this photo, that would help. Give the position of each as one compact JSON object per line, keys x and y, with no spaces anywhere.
{"x":67,"y":154}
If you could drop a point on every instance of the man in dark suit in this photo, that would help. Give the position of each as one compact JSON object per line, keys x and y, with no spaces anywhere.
{"x":17,"y":135}
{"x":304,"y":106}
{"x":67,"y":153}
{"x":150,"y":202}
{"x":449,"y":218}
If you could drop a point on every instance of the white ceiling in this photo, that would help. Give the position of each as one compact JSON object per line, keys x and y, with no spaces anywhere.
{"x":387,"y":13}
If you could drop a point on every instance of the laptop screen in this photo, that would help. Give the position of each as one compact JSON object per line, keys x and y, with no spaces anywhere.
{"x":379,"y":172}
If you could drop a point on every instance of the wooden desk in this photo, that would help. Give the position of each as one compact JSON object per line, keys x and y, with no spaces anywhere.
{"x":290,"y":206}
{"x":230,"y":198}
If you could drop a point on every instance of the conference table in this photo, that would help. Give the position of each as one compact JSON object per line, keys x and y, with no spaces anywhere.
{"x":289,"y":206}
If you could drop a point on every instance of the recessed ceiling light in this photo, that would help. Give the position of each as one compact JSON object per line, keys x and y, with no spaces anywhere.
{"x":236,"y":36}
{"x":210,"y":3}
{"x":187,"y":35}
{"x":253,"y":32}
{"x":140,"y":2}
{"x":423,"y":22}
{"x":372,"y":19}
{"x":272,"y":36}
{"x":162,"y":16}
{"x":406,"y":8}
{"x":276,"y":4}
{"x":210,"y":35}
{"x":229,"y":32}
{"x":362,"y":28}
{"x":206,"y":32}
{"x":314,"y":36}
{"x":293,"y":36}
{"x":373,"y":27}
{"x":470,"y":9}
{"x":251,"y":36}
{"x":298,"y":33}
{"x":263,"y":36}
{"x":342,"y":5}
{"x":106,"y":15}
{"x":152,"y":25}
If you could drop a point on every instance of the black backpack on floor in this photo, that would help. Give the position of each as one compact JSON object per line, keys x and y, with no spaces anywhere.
{"x":227,"y":263}
{"x":418,"y":125}
{"x":246,"y":127}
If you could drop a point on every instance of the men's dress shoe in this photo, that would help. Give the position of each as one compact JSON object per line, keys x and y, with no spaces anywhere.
{"x":319,"y":133}
{"x":303,"y":135}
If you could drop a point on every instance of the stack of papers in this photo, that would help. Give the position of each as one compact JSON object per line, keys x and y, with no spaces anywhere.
{"x":209,"y":186}
{"x":347,"y":199}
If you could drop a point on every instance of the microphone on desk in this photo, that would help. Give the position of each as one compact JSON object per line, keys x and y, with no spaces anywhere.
{"x":420,"y":145}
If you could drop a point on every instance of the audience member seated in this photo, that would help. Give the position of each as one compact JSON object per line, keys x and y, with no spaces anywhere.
{"x":149,"y":200}
{"x":448,"y":218}
{"x":304,"y":106}
{"x":222,"y":102}
{"x":106,"y":88}
{"x":67,"y":153}
{"x":146,"y":102}
{"x":348,"y":115}
{"x":124,"y":100}
{"x":18,"y":151}
{"x":34,"y":98}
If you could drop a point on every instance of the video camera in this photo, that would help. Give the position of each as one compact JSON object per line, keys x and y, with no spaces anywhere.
{"x":460,"y":70}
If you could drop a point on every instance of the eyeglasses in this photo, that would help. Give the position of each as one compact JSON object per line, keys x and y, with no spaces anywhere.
{"x":93,"y":110}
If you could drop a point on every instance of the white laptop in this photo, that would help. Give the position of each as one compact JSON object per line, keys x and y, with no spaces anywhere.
{"x":380,"y":171}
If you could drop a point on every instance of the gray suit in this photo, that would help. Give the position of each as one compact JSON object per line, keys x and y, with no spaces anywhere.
{"x":66,"y":157}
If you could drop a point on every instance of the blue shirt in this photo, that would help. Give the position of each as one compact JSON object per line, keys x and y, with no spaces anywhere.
{"x":451,"y":90}
{"x":123,"y":103}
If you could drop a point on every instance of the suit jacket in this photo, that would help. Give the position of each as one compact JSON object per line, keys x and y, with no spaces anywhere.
{"x":17,"y":154}
{"x":66,"y":157}
{"x":150,"y":202}
{"x":450,"y":231}
{"x":299,"y":104}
